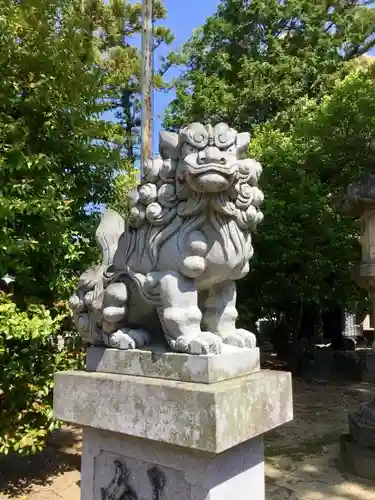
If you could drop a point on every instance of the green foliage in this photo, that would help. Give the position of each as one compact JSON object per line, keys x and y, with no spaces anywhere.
{"x":306,"y":248}
{"x":122,"y":64}
{"x":123,"y":184}
{"x":55,"y":150}
{"x":294,"y":74}
{"x":64,"y":64}
{"x":29,"y":357}
{"x":252,"y":59}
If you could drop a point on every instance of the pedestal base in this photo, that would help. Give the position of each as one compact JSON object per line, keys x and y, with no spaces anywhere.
{"x":121,"y":467}
{"x":157,"y":439}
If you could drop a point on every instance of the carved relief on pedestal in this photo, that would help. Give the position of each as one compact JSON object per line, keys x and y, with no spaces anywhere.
{"x":120,"y":489}
{"x":172,"y":267}
{"x":158,"y":481}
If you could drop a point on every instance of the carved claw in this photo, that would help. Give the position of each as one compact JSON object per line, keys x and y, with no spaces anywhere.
{"x":204,"y":343}
{"x":241,"y":338}
{"x":215,"y":341}
{"x":128,"y":338}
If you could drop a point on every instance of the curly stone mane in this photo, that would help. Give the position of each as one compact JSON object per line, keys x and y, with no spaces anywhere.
{"x":164,"y":203}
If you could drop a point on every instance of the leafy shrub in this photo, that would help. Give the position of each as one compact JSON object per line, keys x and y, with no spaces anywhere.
{"x":29,"y":357}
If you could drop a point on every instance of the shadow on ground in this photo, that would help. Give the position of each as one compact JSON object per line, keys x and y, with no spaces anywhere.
{"x":315,"y":477}
{"x":302,"y":457}
{"x":19,"y":475}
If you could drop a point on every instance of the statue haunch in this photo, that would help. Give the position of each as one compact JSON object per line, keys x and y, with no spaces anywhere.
{"x":170,"y":270}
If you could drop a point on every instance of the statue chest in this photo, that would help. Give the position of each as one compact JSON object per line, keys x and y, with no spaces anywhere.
{"x":228,"y":253}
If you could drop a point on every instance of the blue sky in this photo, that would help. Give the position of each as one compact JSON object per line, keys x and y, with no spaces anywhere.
{"x":183,"y":17}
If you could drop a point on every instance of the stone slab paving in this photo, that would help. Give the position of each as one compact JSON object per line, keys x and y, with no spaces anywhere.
{"x":301,"y":457}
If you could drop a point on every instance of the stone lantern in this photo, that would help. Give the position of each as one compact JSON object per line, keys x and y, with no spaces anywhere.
{"x":358,"y":447}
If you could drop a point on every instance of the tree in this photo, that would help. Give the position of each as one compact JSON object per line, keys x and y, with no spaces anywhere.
{"x":121,"y":60}
{"x":252,"y":59}
{"x":306,"y":248}
{"x":123,"y":183}
{"x":50,"y":166}
{"x":63,"y":64}
{"x":29,"y":357}
{"x":294,"y":73}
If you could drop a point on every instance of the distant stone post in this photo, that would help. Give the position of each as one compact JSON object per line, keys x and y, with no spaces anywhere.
{"x":173,"y":403}
{"x":357,"y":447}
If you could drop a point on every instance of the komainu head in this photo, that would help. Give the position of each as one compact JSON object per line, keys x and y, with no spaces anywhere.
{"x":200,"y":167}
{"x":209,"y":156}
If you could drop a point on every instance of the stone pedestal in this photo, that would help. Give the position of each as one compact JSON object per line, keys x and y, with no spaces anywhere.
{"x":148,"y":438}
{"x":358,"y":460}
{"x":358,"y":447}
{"x":179,"y":474}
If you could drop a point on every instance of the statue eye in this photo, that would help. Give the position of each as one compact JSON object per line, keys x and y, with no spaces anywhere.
{"x":187,"y":149}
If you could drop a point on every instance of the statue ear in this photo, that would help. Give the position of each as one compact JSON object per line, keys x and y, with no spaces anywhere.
{"x":242,"y":143}
{"x":168,"y":145}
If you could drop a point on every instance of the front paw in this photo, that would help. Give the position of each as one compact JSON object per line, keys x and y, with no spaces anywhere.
{"x":204,"y":343}
{"x":241,"y":338}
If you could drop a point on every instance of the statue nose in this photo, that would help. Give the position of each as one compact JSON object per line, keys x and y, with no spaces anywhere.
{"x":211,"y":155}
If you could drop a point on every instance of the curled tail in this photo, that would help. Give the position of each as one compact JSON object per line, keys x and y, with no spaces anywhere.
{"x":108,"y":234}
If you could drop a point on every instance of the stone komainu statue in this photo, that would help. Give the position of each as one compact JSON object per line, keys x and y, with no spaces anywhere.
{"x":171,"y":268}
